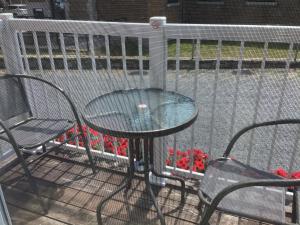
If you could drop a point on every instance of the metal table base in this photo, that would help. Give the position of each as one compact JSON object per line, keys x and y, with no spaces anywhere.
{"x":134,"y":150}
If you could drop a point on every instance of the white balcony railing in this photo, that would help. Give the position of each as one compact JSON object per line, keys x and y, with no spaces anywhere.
{"x":228,"y":99}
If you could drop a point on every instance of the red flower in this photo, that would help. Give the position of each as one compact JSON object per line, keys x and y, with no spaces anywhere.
{"x":171,"y":151}
{"x":199,"y":166}
{"x":109,"y":146}
{"x":295,"y":175}
{"x":168,"y":162}
{"x":281,"y":172}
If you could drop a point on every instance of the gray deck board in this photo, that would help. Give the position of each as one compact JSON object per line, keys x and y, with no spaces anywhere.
{"x":71,"y":193}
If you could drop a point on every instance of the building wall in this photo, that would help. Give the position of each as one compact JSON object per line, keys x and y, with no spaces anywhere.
{"x":123,"y":10}
{"x":78,"y":10}
{"x":285,"y":12}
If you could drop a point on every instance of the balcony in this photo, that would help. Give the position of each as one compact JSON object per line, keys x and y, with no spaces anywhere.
{"x":238,"y":75}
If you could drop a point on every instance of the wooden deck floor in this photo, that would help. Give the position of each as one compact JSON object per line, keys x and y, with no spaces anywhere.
{"x":70,"y":194}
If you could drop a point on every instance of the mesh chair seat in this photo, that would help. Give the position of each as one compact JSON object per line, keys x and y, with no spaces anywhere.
{"x":262,"y":203}
{"x":35,"y":132}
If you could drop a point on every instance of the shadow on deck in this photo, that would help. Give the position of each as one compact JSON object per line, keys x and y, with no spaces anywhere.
{"x":70,"y":193}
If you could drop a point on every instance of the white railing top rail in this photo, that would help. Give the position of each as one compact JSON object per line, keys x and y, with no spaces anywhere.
{"x":83,"y":27}
{"x":261,"y":33}
{"x":251,"y":33}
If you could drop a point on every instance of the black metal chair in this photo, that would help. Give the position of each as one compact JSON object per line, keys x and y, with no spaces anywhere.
{"x":26,"y":130}
{"x":239,"y":189}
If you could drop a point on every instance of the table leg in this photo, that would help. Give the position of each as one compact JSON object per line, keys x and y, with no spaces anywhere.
{"x":166,"y":176}
{"x":126,"y":185}
{"x":148,"y":185}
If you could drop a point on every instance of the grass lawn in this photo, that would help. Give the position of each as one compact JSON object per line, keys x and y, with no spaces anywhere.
{"x":208,"y":50}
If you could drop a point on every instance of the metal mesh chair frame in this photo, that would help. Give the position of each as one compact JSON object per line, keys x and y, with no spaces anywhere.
{"x":209,"y":206}
{"x":11,"y":139}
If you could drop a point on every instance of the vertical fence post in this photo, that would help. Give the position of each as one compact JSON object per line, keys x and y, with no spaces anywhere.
{"x":157,"y":52}
{"x":10,"y":46}
{"x":157,"y":63}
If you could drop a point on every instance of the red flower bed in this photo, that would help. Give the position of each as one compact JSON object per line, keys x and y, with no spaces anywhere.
{"x":283,"y":173}
{"x":111,"y":144}
{"x":183,"y":159}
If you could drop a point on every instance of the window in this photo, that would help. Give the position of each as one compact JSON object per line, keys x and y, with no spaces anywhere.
{"x":261,"y":2}
{"x":172,"y":2}
{"x":211,"y":2}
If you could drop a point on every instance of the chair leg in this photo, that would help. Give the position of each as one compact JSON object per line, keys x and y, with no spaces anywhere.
{"x":207,"y":213}
{"x":23,"y":163}
{"x":88,"y":152}
{"x":36,"y":191}
{"x":30,"y":179}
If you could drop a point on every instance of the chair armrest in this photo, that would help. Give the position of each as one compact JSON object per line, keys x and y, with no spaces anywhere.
{"x":72,"y":105}
{"x":253,"y":126}
{"x":262,"y":183}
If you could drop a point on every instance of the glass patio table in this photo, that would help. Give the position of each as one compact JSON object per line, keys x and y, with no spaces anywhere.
{"x":140,"y":115}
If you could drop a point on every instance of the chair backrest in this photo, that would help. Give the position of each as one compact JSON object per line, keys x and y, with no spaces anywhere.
{"x":14,"y":106}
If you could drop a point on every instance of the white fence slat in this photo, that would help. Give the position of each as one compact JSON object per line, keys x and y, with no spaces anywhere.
{"x":63,"y":49}
{"x":50,"y":52}
{"x":20,"y":62}
{"x":177,"y":63}
{"x":78,"y":57}
{"x":195,"y":89}
{"x":176,"y":88}
{"x":236,"y":90}
{"x":219,"y":53}
{"x":123,"y":46}
{"x":141,"y":66}
{"x":258,"y":96}
{"x":24,"y":52}
{"x":37,"y":50}
{"x":92,"y":50}
{"x":108,"y":54}
{"x":283,"y":89}
{"x":174,"y":148}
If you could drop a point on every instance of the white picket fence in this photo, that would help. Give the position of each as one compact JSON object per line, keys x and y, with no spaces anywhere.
{"x":157,"y":34}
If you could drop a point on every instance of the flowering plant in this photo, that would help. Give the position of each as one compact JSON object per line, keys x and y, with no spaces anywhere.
{"x":111,"y":144}
{"x":283,"y":173}
{"x":183,"y":159}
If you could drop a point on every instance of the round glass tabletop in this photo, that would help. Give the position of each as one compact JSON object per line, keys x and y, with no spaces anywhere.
{"x":140,"y":113}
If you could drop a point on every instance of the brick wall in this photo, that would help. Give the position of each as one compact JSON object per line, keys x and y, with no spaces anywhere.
{"x":136,"y":10}
{"x":123,"y":10}
{"x":285,"y":12}
{"x":78,"y":10}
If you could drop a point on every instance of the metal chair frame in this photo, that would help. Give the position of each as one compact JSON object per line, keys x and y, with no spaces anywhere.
{"x":209,"y":206}
{"x":11,"y":139}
